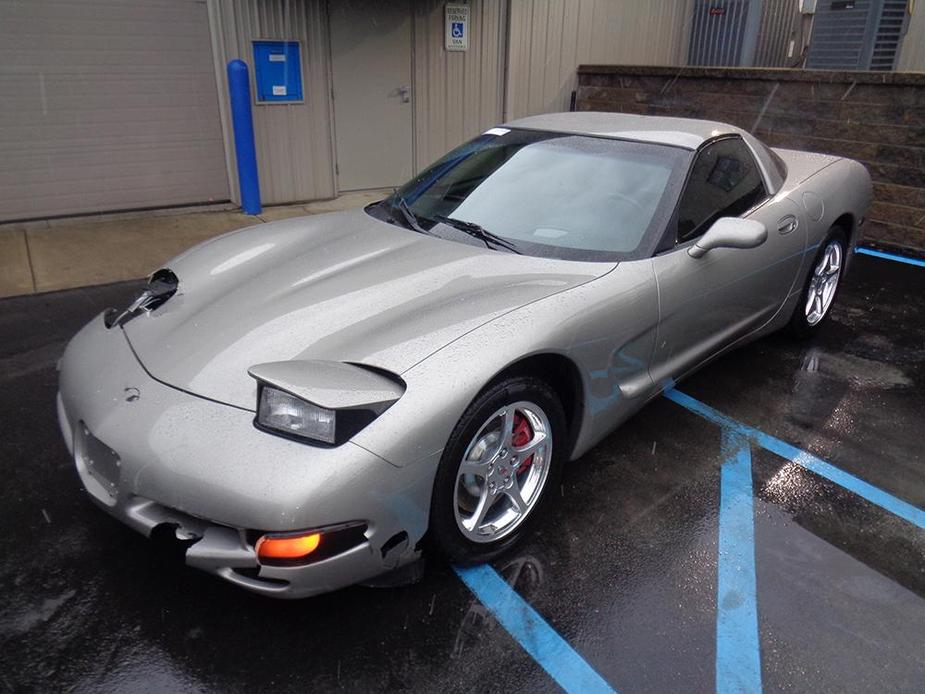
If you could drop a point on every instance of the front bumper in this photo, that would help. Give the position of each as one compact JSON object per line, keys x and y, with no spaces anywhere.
{"x":151,"y":455}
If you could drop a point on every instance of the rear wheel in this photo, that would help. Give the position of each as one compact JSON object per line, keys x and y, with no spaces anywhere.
{"x":501,"y":459}
{"x":821,"y":286}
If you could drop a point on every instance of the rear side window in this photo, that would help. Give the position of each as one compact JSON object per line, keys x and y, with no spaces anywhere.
{"x":724,"y":182}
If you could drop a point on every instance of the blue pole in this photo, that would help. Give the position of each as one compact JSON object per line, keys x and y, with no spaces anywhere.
{"x":239,"y":90}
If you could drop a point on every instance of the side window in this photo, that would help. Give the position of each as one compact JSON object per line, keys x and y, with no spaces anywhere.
{"x":724,"y":182}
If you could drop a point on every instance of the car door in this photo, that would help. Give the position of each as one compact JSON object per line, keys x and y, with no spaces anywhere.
{"x":707,"y":303}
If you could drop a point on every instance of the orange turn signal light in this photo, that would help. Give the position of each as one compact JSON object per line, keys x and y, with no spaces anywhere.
{"x":291,"y":547}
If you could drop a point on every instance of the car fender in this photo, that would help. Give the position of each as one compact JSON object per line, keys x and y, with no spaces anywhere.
{"x":845,"y":188}
{"x":606,"y":327}
{"x":835,"y":188}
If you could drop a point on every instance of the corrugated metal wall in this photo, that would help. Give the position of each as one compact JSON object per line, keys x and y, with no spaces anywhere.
{"x":550,"y":38}
{"x":106,"y":105}
{"x":457,"y":94}
{"x":113,"y":104}
{"x":295,"y":154}
{"x":780,"y":39}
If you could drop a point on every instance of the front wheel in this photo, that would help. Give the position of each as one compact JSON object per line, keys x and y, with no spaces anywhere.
{"x":821,"y":286}
{"x":501,"y":459}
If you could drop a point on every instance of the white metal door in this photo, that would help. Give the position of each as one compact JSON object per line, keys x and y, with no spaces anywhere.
{"x":371,"y":66}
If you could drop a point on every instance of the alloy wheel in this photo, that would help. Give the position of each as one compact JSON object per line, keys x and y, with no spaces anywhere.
{"x":823,"y":283}
{"x":503,"y":472}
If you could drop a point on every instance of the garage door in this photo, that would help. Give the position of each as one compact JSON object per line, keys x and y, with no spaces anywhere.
{"x":107,"y":105}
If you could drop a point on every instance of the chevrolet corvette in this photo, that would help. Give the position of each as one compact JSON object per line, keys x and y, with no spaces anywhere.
{"x":314,"y":402}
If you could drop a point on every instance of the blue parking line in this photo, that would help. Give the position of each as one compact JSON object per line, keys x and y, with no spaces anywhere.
{"x":531,"y":631}
{"x":891,"y":256}
{"x":877,"y":496}
{"x":738,"y":653}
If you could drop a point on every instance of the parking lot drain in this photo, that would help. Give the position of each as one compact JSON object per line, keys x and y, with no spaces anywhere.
{"x":531,"y":631}
{"x":738,"y":655}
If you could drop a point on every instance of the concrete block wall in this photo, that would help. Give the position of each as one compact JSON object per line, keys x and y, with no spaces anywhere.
{"x":876,"y":118}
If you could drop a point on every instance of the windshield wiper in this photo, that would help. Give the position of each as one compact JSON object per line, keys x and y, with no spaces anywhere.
{"x":410,"y":218}
{"x":478,"y":231}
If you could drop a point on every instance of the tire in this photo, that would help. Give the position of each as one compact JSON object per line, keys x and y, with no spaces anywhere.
{"x":808,"y":318}
{"x":500,"y":465}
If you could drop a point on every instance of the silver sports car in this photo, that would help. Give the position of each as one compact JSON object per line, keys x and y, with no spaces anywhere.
{"x":308,"y":404}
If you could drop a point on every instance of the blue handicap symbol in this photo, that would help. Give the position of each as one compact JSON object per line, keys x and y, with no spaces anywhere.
{"x":458,"y":29}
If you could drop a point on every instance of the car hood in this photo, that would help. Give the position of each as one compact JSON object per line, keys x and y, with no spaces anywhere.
{"x":340,"y":287}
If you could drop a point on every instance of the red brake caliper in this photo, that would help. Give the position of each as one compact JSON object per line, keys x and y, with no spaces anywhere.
{"x":523,"y":434}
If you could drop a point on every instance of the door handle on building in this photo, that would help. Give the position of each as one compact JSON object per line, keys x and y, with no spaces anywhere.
{"x":405,"y":93}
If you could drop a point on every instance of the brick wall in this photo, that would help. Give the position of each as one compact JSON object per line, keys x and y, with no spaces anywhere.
{"x":876,"y":118}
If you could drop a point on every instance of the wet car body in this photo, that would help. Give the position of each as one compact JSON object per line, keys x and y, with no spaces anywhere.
{"x":159,"y":410}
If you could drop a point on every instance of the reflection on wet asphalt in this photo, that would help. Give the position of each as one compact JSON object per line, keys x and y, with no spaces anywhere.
{"x":624,"y":568}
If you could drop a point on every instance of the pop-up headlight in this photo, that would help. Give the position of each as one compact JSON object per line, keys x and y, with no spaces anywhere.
{"x":321,"y":402}
{"x":283,"y":412}
{"x":161,"y":286}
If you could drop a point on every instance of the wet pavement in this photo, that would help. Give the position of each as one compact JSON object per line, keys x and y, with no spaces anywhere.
{"x":625,"y":569}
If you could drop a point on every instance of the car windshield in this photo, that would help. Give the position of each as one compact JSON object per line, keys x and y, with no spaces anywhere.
{"x":546,"y":194}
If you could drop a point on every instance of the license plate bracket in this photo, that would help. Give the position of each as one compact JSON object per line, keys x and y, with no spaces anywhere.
{"x":98,"y":460}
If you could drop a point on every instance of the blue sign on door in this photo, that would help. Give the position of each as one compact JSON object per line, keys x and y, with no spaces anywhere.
{"x":459,"y":28}
{"x":277,"y":71}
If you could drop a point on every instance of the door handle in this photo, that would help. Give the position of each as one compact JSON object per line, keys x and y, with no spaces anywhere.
{"x":787,"y":224}
{"x":405,"y":93}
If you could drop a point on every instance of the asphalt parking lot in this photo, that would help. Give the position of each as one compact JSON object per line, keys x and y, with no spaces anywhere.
{"x":781,"y":486}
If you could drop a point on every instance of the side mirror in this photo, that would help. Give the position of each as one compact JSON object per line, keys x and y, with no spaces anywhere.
{"x":730,"y":232}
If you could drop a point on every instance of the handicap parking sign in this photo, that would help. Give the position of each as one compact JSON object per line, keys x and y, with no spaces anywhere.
{"x":456,"y":27}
